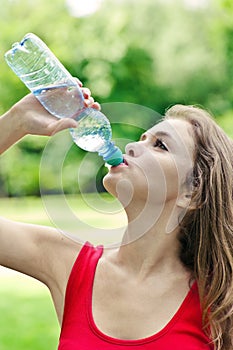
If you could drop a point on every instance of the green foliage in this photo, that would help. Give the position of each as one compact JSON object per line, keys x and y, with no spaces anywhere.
{"x":227,"y":4}
{"x":225,"y":121}
{"x":155,"y":53}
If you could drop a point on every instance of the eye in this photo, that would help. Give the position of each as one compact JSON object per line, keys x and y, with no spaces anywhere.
{"x":159,"y":143}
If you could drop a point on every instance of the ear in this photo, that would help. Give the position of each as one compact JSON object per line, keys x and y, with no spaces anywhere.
{"x":185,"y":201}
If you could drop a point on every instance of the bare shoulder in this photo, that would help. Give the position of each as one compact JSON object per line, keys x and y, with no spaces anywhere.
{"x":42,"y":252}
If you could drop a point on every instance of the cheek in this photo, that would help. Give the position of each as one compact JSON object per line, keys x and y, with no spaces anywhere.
{"x":162,"y":178}
{"x":172,"y":181}
{"x":150,"y":180}
{"x":156,"y":182}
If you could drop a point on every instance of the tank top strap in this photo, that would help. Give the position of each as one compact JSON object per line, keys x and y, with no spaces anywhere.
{"x":82,"y":274}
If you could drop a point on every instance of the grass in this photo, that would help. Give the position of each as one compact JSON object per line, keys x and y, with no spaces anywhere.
{"x":27,"y":316}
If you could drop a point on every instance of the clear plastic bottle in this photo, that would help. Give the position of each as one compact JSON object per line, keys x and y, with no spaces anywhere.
{"x":59,"y":93}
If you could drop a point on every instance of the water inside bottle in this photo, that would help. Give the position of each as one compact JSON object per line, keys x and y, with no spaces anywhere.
{"x":91,"y":143}
{"x":58,"y":92}
{"x":93,"y":132}
{"x":66,"y":101}
{"x":61,"y":100}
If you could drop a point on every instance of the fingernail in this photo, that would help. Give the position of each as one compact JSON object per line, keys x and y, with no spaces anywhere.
{"x":80,"y":83}
{"x":86,"y":92}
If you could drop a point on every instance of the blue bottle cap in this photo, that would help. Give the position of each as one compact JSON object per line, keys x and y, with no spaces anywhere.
{"x":116,"y":158}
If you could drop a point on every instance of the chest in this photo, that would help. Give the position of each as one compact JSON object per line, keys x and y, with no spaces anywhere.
{"x":127,"y":309}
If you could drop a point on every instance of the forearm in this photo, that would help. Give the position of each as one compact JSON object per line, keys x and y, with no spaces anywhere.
{"x":29,"y":117}
{"x":11,"y":130}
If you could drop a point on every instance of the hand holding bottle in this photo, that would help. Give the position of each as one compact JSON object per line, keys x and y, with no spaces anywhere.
{"x":36,"y":120}
{"x":61,"y":95}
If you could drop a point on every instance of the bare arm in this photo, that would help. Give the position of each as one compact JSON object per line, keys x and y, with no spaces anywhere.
{"x":29,"y":117}
{"x":28,"y":248}
{"x":38,"y":251}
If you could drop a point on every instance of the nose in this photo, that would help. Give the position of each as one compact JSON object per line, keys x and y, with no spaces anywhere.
{"x":134,"y":149}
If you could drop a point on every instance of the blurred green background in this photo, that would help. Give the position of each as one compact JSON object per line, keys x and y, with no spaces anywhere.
{"x":152,"y":53}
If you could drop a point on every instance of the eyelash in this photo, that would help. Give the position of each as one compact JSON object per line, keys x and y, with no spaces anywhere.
{"x":159,"y":143}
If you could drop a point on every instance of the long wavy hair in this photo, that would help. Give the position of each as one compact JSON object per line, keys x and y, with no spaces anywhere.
{"x":206,"y":231}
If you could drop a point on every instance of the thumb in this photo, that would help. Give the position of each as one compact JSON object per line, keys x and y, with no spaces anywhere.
{"x":62,"y":124}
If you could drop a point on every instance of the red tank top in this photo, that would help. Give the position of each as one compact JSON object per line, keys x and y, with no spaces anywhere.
{"x":79,"y":332}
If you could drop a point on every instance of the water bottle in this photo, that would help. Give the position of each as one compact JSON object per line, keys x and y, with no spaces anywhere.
{"x":60,"y":94}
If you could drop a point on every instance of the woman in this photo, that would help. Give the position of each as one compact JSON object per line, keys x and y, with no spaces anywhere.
{"x":169,"y":285}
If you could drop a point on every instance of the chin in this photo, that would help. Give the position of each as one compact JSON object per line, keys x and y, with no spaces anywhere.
{"x":120,"y":188}
{"x":110,"y":185}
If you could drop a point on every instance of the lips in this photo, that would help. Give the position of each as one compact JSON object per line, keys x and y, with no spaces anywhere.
{"x":124,"y":164}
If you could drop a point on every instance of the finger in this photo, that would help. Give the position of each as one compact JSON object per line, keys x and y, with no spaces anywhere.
{"x":89,"y":102}
{"x":62,"y":124}
{"x":86,"y":93}
{"x":96,"y":105}
{"x":78,"y":81}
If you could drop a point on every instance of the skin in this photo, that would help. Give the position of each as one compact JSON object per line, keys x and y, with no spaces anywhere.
{"x":144,"y":271}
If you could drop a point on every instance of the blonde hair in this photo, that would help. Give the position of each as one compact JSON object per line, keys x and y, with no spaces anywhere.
{"x":206,"y":232}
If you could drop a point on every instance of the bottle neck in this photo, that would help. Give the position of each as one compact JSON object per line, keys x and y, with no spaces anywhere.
{"x":111,"y":154}
{"x":107,"y":150}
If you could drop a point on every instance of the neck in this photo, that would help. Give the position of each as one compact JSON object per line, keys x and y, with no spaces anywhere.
{"x":147,"y":247}
{"x":148,"y":219}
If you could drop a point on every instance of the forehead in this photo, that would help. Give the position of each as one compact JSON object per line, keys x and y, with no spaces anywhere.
{"x":179,"y":131}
